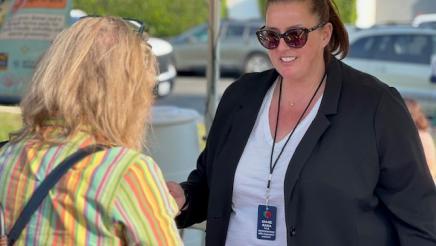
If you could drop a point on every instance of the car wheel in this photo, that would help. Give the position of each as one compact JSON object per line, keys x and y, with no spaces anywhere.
{"x":256,"y":62}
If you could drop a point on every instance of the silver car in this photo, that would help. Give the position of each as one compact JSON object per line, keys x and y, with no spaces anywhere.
{"x":239,"y":49}
{"x":400,"y":57}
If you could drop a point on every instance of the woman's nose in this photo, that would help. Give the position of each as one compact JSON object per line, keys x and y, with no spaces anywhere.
{"x":282,"y":44}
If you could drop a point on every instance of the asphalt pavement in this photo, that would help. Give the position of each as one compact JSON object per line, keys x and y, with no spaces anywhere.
{"x":191,"y":91}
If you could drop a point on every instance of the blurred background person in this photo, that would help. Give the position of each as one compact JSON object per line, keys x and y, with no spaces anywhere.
{"x":93,"y":86}
{"x":424,"y":130}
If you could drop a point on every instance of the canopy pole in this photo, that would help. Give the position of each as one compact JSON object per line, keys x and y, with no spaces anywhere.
{"x":213,"y":72}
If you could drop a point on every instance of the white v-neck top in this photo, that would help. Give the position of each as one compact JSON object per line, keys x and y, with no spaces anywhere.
{"x":251,"y":177}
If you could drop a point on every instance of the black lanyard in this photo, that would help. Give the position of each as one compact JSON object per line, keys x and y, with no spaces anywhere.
{"x":271,"y":165}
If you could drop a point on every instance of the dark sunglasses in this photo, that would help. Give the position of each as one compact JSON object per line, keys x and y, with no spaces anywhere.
{"x":294,"y":37}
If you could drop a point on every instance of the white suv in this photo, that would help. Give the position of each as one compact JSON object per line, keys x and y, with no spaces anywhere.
{"x":400,"y":57}
{"x":425,"y":21}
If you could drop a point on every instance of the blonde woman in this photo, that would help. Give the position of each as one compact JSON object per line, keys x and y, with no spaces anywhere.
{"x":423,"y":126}
{"x":93,"y":86}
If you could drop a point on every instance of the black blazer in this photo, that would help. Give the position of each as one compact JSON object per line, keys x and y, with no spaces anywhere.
{"x":357,"y":178}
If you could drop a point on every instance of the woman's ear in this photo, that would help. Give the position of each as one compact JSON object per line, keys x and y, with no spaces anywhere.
{"x":326,"y":31}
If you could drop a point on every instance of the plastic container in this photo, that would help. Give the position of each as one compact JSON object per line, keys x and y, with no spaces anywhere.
{"x":173,"y":141}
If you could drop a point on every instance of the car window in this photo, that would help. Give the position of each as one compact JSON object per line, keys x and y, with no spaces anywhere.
{"x":434,"y":44}
{"x":396,"y":48}
{"x":409,"y":48}
{"x":200,"y":34}
{"x":430,"y":24}
{"x":234,"y":31}
{"x":252,"y":31}
{"x":362,"y":48}
{"x":382,"y":49}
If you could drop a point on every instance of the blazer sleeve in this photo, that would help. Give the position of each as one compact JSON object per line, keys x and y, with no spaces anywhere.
{"x":405,"y":185}
{"x":197,"y":195}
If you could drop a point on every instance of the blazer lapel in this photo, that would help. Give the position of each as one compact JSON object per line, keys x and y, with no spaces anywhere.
{"x":319,"y":125}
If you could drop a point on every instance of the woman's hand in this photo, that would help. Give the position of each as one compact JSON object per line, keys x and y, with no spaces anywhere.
{"x":177,"y":192}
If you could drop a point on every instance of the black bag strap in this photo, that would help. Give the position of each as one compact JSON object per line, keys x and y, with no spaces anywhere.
{"x":3,"y":143}
{"x":41,"y":192}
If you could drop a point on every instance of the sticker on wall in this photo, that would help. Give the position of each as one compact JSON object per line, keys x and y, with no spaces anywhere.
{"x":3,"y":61}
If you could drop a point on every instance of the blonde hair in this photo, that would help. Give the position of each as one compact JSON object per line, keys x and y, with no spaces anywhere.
{"x":97,"y":75}
{"x":417,"y":114}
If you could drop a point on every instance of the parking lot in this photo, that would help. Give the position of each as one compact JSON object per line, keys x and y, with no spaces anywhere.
{"x":190,"y":92}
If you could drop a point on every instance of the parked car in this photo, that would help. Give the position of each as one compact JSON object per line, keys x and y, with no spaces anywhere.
{"x":239,"y":49}
{"x":400,"y":57}
{"x":167,"y":71}
{"x":164,"y":53}
{"x":351,"y":29}
{"x":425,"y":21}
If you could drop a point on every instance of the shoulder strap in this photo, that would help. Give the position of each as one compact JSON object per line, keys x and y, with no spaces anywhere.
{"x":3,"y":143}
{"x":41,"y":192}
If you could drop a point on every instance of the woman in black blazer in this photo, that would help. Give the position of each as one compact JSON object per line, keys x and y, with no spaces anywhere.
{"x":340,"y":163}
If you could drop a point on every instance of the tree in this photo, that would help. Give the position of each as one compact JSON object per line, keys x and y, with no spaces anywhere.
{"x":163,"y":17}
{"x":4,"y":6}
{"x":346,"y":8}
{"x":262,"y":7}
{"x":224,"y":9}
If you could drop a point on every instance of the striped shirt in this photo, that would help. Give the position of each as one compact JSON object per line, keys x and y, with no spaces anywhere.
{"x":114,"y":197}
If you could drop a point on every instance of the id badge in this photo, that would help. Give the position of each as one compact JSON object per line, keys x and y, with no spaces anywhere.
{"x":266,"y":222}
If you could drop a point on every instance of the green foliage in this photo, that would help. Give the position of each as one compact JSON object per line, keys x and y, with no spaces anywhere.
{"x":262,"y":7}
{"x":4,"y":7}
{"x":163,"y":17}
{"x":347,"y":9}
{"x":224,"y":9}
{"x":10,"y":122}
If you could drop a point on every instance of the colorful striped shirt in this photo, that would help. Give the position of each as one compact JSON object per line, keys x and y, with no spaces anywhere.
{"x":114,"y":197}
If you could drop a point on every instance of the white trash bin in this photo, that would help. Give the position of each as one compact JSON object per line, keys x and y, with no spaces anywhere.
{"x":173,"y":141}
{"x":174,"y":145}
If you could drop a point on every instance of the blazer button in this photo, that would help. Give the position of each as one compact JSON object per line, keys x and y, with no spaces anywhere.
{"x":292,"y":231}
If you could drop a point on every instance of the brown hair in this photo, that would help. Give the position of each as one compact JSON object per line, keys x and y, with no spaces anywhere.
{"x":327,"y":11}
{"x":98,"y":75}
{"x":418,"y":116}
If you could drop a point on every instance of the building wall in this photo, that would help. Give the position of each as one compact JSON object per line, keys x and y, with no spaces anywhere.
{"x":243,"y":9}
{"x":371,"y":12}
{"x":394,"y":11}
{"x":365,"y":13}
